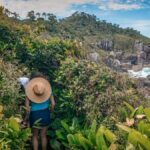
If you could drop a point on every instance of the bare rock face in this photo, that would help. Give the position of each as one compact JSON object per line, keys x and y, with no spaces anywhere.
{"x":147,"y":53}
{"x":114,"y":64}
{"x":138,"y":45}
{"x":133,"y":59}
{"x":94,"y":57}
{"x":148,"y":77}
{"x":147,"y":83}
{"x":105,"y":44}
{"x":146,"y":49}
{"x":119,"y":55}
{"x":143,"y":52}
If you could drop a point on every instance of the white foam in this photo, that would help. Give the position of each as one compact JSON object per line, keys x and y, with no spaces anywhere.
{"x":140,"y":74}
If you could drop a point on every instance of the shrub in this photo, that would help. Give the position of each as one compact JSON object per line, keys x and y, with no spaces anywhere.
{"x":9,"y":88}
{"x":93,"y":89}
{"x":11,"y":134}
{"x":88,"y":138}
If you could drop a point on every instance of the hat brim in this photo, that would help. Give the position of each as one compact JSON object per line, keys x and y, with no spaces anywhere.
{"x":32,"y":96}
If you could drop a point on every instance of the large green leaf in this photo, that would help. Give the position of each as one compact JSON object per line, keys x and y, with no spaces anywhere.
{"x":136,"y":137}
{"x":144,"y":128}
{"x":141,"y":139}
{"x":147,"y":113}
{"x":132,"y":139}
{"x":100,"y":140}
{"x":13,"y":124}
{"x":123,"y":127}
{"x":140,"y":110}
{"x":24,"y":134}
{"x":110,"y":136}
{"x":60,"y":136}
{"x":72,"y":139}
{"x":92,"y":133}
{"x":129,"y":106}
{"x":65,"y":126}
{"x":85,"y":143}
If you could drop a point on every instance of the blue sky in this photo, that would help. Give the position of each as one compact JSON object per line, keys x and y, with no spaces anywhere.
{"x":126,"y":13}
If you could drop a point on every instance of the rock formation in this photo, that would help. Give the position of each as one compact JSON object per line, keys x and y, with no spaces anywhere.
{"x":105,"y":44}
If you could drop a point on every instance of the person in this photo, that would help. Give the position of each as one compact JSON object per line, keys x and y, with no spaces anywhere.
{"x":38,"y":99}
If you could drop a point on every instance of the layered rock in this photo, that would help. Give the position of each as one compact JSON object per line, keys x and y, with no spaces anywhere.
{"x":105,"y":44}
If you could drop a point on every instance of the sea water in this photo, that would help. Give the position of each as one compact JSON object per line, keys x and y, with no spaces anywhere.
{"x":140,"y":74}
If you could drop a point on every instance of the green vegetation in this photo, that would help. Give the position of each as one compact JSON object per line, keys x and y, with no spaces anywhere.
{"x":97,"y":108}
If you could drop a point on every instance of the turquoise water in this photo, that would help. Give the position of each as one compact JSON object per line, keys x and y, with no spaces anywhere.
{"x":140,"y":74}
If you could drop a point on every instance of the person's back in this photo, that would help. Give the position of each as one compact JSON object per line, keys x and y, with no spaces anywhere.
{"x":39,"y":96}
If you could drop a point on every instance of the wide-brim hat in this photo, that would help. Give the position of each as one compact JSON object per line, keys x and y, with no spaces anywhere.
{"x":38,"y":90}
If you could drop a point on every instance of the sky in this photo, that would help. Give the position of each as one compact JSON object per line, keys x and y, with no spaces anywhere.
{"x":126,"y":13}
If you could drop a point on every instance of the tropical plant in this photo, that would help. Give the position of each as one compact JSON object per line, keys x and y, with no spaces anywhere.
{"x":137,"y":126}
{"x":11,"y":134}
{"x":86,"y":138}
{"x":93,"y":89}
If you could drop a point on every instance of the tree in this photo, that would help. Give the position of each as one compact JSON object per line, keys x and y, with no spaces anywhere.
{"x":52,"y":18}
{"x":1,"y":10}
{"x":15,"y":15}
{"x":7,"y":12}
{"x":38,"y":15}
{"x":44,"y":15}
{"x":31,"y":15}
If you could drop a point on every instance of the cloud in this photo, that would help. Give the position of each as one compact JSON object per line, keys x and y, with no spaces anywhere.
{"x":59,"y":7}
{"x":119,"y":6}
{"x":140,"y":25}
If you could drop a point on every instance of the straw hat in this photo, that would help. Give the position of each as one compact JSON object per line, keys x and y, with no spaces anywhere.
{"x":38,"y":90}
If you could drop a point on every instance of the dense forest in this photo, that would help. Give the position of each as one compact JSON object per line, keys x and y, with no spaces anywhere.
{"x":97,"y":108}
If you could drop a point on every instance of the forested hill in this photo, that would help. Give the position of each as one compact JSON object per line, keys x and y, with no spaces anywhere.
{"x":83,"y":24}
{"x":80,"y":26}
{"x":88,"y":29}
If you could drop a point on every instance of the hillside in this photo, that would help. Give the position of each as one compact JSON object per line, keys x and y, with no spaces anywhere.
{"x":92,"y":34}
{"x":94,"y":103}
{"x":82,"y":26}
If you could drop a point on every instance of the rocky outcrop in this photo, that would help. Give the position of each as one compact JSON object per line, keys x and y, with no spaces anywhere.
{"x":143,"y":52}
{"x":133,"y":59}
{"x":94,"y":57}
{"x":147,"y":53}
{"x":105,"y":44}
{"x":114,"y":64}
{"x":138,"y":45}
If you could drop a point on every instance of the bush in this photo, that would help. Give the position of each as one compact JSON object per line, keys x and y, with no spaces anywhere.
{"x":11,"y":134}
{"x":45,"y":56}
{"x":9,"y":88}
{"x":91,"y":137}
{"x":94,"y":90}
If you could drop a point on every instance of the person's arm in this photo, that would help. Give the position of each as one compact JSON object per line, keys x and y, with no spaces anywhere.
{"x":27,"y":109}
{"x":27,"y":105}
{"x":52,"y":102}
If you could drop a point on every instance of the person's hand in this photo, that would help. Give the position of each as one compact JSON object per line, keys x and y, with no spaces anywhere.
{"x":26,"y":120}
{"x":25,"y":124}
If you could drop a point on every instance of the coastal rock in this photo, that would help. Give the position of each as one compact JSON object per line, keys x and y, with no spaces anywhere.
{"x":94,"y":57}
{"x":147,"y":83}
{"x":138,"y":45}
{"x":119,"y":55}
{"x":114,"y":64}
{"x":105,"y":44}
{"x":133,"y":59}
{"x":147,"y":53}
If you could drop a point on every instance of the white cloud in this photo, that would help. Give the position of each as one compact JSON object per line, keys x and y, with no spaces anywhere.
{"x":118,"y":6}
{"x":58,"y":7}
{"x":140,"y":25}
